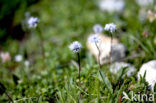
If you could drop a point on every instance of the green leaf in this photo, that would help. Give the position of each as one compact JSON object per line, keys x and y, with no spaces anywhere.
{"x":15,"y":79}
{"x":106,"y":80}
{"x":119,"y":92}
{"x":154,"y":88}
{"x":121,"y":72}
{"x":141,"y":44}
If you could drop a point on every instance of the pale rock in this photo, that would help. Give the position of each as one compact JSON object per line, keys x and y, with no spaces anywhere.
{"x":118,"y":49}
{"x":115,"y":67}
{"x":150,"y":69}
{"x":118,"y":52}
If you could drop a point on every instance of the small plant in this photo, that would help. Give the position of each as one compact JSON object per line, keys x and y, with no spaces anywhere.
{"x":32,"y":24}
{"x":76,"y":47}
{"x":95,"y":39}
{"x":111,"y":27}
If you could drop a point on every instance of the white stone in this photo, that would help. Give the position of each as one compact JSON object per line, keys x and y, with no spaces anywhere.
{"x":115,"y":67}
{"x":150,"y":69}
{"x":118,"y":49}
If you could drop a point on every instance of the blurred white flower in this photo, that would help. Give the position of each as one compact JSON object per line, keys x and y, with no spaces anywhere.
{"x":151,"y":16}
{"x":26,"y":63}
{"x":5,"y":56}
{"x":97,"y":28}
{"x":75,"y":46}
{"x":111,"y":27}
{"x":18,"y":58}
{"x":142,"y":15}
{"x":150,"y":69}
{"x":94,"y":38}
{"x":145,"y":2}
{"x":32,"y":22}
{"x":112,"y":5}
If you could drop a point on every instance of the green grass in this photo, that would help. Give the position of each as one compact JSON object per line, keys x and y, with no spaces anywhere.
{"x":55,"y":77}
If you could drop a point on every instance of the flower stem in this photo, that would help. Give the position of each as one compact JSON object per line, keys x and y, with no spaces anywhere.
{"x":99,"y":54}
{"x":9,"y":97}
{"x":41,"y":45}
{"x":100,"y":66}
{"x":79,"y":64}
{"x":41,"y":42}
{"x":111,"y":42}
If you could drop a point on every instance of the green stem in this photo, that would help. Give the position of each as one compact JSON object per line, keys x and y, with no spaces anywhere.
{"x":41,"y":42}
{"x":79,"y":64}
{"x":9,"y":97}
{"x":100,"y":66}
{"x":110,"y":61}
{"x":99,"y":54}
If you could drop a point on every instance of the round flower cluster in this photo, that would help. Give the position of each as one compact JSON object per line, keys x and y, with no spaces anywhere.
{"x":111,"y":27}
{"x":32,"y":22}
{"x":97,"y":28}
{"x":94,"y":38}
{"x":75,"y":46}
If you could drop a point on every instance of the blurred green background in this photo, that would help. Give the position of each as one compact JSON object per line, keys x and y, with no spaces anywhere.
{"x":54,"y":78}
